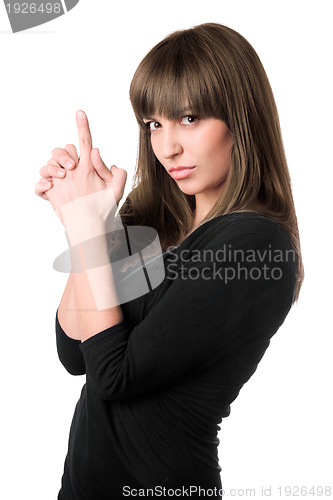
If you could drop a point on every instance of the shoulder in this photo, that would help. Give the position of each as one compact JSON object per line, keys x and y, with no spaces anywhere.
{"x":247,"y":256}
{"x":240,"y":228}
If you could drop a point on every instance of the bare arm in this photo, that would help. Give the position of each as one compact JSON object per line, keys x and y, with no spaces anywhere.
{"x":83,"y":199}
{"x":67,"y":314}
{"x":83,"y":308}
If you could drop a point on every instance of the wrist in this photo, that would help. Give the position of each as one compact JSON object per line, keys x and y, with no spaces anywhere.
{"x":89,"y":254}
{"x":85,"y":230}
{"x":89,"y":216}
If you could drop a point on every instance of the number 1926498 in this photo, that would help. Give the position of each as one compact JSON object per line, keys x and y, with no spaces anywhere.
{"x":32,"y":8}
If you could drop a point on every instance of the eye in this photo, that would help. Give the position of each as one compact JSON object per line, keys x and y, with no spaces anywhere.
{"x":152,"y":125}
{"x":189,"y":119}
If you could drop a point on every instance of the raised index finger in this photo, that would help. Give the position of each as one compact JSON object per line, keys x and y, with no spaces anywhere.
{"x":85,"y":141}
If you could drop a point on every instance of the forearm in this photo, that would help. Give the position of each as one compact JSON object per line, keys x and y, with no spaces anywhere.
{"x":89,"y":304}
{"x":67,"y":314}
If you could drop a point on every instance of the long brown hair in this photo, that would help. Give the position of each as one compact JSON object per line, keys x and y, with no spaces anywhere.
{"x":215,"y":72}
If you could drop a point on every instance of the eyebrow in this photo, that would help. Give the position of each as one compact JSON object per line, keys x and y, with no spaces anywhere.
{"x":185,"y":110}
{"x":182,"y":112}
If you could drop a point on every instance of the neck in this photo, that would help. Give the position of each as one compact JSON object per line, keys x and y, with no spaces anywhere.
{"x":204,"y":202}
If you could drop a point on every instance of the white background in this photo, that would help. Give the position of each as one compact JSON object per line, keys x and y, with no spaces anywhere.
{"x":279,"y":432}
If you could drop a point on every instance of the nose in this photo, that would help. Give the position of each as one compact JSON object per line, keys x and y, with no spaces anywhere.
{"x":170,"y":143}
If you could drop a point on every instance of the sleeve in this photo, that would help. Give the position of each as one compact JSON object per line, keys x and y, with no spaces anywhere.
{"x":208,"y":307}
{"x":69,"y":351}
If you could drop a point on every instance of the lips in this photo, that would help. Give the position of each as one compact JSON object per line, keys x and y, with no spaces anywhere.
{"x":174,"y":169}
{"x":181,"y":172}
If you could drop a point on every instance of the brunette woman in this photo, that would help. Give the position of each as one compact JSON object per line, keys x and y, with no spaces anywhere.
{"x":212,"y":180}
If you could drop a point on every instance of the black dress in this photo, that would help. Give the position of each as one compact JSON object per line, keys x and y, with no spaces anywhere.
{"x":159,"y":383}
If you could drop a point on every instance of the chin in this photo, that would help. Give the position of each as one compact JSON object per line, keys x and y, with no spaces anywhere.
{"x":189,"y":191}
{"x":189,"y":188}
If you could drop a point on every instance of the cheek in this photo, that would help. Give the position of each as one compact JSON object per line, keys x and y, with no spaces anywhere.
{"x":217,"y":146}
{"x":155,"y":146}
{"x":222,"y":141}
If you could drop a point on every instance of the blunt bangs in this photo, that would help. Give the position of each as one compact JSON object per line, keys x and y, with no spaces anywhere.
{"x":179,"y":76}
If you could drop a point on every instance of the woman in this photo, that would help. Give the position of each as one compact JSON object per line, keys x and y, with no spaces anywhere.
{"x":212,"y":180}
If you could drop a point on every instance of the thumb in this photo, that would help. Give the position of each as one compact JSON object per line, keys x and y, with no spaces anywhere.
{"x":119,"y":177}
{"x":100,"y":166}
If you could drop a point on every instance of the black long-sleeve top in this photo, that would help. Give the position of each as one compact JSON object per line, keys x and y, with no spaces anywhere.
{"x":159,"y":383}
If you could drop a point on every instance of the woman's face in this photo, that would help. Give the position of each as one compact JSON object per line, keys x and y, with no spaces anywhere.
{"x":202,"y":144}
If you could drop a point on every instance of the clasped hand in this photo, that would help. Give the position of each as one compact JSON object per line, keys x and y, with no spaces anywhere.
{"x":85,"y":180}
